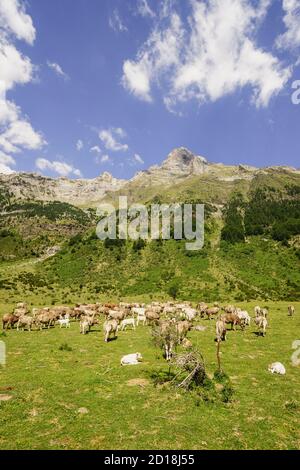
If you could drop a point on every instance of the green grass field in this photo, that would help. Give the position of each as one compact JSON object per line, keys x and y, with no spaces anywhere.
{"x":48,"y":386}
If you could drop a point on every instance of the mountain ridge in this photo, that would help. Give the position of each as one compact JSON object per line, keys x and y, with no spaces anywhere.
{"x":179,"y":166}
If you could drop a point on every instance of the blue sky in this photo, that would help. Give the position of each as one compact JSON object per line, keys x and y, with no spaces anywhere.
{"x":88,"y":86}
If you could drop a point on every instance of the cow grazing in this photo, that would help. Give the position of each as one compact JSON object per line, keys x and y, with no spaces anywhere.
{"x":229,"y":308}
{"x":262,"y":324}
{"x":25,"y":321}
{"x":168,"y":335}
{"x":261,"y":312}
{"x":21,"y":309}
{"x":127,"y":322}
{"x":291,"y":310}
{"x":141,"y":318}
{"x":257,"y":311}
{"x":64,"y":321}
{"x":110,"y":327}
{"x":138,"y":311}
{"x":264,"y":312}
{"x":9,"y":320}
{"x":189,"y":313}
{"x":84,"y":325}
{"x":182,"y":328}
{"x":243,"y":315}
{"x":221,"y":330}
{"x":202,"y":307}
{"x":44,"y":318}
{"x":210,"y":312}
{"x":118,"y":315}
{"x":86,"y":322}
{"x":131,"y":359}
{"x":233,"y":320}
{"x":151,"y":317}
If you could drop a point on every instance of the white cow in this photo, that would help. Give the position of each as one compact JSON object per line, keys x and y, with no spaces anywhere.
{"x":131,"y":359}
{"x":257,"y":311}
{"x":138,"y":310}
{"x":243,"y":315}
{"x":262,"y":324}
{"x":189,"y":313}
{"x":127,"y":322}
{"x":64,"y":321}
{"x":291,"y":310}
{"x":277,"y":368}
{"x":140,"y":315}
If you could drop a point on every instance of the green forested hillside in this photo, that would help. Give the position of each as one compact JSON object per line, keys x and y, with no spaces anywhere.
{"x":251,"y":249}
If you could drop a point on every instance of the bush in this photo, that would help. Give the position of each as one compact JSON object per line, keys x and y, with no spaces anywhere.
{"x":173,"y":291}
{"x":65,"y":347}
{"x":138,"y":245}
{"x":161,"y":376}
{"x":233,"y":230}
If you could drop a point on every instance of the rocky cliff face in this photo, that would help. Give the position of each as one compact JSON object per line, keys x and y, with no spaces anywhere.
{"x":180,"y":164}
{"x":77,"y":192}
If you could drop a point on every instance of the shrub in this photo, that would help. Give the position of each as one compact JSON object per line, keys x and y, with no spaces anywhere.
{"x":65,"y":347}
{"x":173,"y":291}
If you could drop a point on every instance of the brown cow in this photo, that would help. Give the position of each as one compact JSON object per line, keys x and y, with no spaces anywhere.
{"x":233,"y":320}
{"x":152,"y":317}
{"x":183,"y":327}
{"x":9,"y":320}
{"x":210,"y":312}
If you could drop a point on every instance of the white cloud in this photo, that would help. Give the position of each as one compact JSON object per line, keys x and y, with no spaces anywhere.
{"x":138,"y":159}
{"x":103,"y":159}
{"x":6,"y":161}
{"x":16,"y":132}
{"x":60,"y":167}
{"x":95,"y":149}
{"x":5,"y":169}
{"x":79,"y":145}
{"x":77,"y":172}
{"x":58,"y":70}
{"x":291,"y":38}
{"x":15,"y":68}
{"x":115,"y":22}
{"x":137,"y":77}
{"x":144,"y":9}
{"x":20,"y":135}
{"x":110,"y":138}
{"x":14,"y":20}
{"x":206,"y":56}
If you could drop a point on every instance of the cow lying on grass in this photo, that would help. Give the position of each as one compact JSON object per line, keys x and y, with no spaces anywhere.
{"x":131,"y":359}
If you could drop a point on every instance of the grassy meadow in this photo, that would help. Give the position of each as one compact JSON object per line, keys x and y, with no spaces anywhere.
{"x":68,"y":391}
{"x":63,"y":390}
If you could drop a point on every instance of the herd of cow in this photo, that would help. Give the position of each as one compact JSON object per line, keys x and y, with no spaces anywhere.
{"x":179,"y":317}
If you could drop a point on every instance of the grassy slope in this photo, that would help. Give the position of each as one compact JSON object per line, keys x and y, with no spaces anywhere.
{"x":87,"y":271}
{"x":49,"y":386}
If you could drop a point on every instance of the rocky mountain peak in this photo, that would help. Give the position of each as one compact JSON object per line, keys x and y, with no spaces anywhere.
{"x":182,"y":160}
{"x":106,"y":177}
